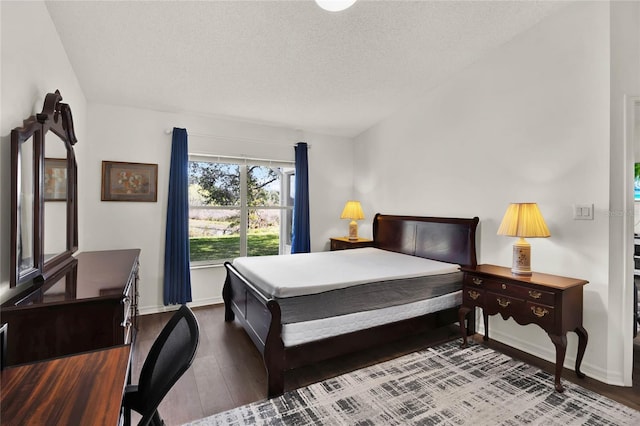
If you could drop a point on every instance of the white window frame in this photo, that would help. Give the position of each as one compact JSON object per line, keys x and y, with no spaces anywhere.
{"x":244,"y":208}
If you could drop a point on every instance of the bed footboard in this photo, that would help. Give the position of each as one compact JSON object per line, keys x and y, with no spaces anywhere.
{"x":261,"y":319}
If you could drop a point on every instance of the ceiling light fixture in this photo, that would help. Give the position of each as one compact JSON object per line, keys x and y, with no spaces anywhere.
{"x":335,"y":5}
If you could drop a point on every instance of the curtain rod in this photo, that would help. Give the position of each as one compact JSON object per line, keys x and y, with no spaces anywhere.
{"x":243,"y":158}
{"x":231,"y":138}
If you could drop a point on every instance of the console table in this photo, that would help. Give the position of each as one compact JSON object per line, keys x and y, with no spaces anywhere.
{"x":550,"y":301}
{"x":82,"y":389}
{"x":96,"y":309}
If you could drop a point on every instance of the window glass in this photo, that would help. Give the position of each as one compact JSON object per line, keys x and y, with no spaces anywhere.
{"x":214,"y":234}
{"x":237,"y":209}
{"x":263,"y":186}
{"x":214,"y":184}
{"x":263,"y":237}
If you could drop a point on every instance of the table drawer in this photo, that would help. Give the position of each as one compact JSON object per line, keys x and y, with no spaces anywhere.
{"x":504,"y":304}
{"x":544,"y":316}
{"x":527,"y":293}
{"x":129,"y":313}
{"x":474,"y":281}
{"x":473,"y":297}
{"x":508,"y":288}
{"x":524,"y":312}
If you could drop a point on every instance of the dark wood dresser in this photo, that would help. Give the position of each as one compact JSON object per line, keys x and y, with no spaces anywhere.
{"x":552,"y":302}
{"x":96,"y":311}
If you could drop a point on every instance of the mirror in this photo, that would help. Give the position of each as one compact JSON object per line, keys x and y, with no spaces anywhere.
{"x":44,"y":228}
{"x":56,"y":222}
{"x":25,"y":226}
{"x":26,"y":207}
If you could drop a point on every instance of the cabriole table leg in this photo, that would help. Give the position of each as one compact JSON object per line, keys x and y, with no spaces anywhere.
{"x":462,"y":314}
{"x":560,"y":343}
{"x":583,"y":337}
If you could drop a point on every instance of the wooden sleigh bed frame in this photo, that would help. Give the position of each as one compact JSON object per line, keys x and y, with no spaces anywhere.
{"x":449,"y":240}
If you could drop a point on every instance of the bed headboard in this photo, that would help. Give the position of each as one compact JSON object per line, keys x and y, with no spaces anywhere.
{"x":445,"y":239}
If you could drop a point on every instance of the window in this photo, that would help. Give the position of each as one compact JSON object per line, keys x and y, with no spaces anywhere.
{"x":239,"y":207}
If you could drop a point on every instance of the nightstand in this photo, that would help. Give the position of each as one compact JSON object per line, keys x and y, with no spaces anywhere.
{"x":344,"y":243}
{"x":552,"y":302}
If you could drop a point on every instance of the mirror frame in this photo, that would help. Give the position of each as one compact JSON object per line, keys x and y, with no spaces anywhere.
{"x":30,"y":132}
{"x":56,"y":117}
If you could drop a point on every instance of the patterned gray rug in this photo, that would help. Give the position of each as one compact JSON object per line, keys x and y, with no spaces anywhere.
{"x":443,"y":385}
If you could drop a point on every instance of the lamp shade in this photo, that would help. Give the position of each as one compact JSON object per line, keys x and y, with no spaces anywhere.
{"x":523,"y":220}
{"x":335,"y":5}
{"x":352,"y":210}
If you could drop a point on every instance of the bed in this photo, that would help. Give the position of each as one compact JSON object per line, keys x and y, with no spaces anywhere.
{"x":296,"y":317}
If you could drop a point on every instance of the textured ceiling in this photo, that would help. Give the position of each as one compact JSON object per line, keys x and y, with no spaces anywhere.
{"x":286,"y":63}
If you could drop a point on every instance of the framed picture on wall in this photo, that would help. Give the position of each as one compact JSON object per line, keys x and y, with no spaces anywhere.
{"x":129,"y":181}
{"x":55,"y":179}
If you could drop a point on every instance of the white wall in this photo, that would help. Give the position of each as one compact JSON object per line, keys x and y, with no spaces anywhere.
{"x":136,"y":135}
{"x":528,"y":122}
{"x":34,"y":63}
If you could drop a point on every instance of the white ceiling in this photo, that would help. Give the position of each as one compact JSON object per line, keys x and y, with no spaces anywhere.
{"x":287,"y":63}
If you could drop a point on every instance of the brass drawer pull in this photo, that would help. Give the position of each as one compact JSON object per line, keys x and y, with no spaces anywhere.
{"x":476,"y":280}
{"x":504,"y":286}
{"x":538,"y":311}
{"x":474,"y":294}
{"x":535,"y":294}
{"x":503,"y":302}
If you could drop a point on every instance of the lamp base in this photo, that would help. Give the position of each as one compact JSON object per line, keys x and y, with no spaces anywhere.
{"x":353,"y":230}
{"x":521,"y":258}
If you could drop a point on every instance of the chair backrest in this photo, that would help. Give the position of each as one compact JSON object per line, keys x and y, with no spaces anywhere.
{"x":170,"y":356}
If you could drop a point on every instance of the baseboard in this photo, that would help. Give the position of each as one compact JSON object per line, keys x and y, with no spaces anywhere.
{"x":587,"y":368}
{"x":147,"y":310}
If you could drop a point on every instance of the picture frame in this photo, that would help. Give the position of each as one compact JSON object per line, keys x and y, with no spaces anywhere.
{"x":55,"y":179}
{"x":122,"y":181}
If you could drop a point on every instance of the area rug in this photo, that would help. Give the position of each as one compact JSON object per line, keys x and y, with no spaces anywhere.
{"x":443,"y":385}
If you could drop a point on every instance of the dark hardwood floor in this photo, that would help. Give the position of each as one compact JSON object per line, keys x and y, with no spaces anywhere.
{"x":228,"y":371}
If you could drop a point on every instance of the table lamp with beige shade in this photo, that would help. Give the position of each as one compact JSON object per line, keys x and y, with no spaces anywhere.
{"x":352,"y":210}
{"x":523,"y":220}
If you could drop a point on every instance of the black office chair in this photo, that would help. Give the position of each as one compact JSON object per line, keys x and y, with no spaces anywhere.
{"x":170,"y":356}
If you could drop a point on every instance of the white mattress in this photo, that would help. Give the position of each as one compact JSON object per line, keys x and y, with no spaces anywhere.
{"x":309,"y":331}
{"x":311,"y":273}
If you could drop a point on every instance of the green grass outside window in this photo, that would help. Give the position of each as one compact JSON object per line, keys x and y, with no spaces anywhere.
{"x":228,"y":246}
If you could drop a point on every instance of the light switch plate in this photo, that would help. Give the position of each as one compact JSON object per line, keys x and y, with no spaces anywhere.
{"x":583,"y":211}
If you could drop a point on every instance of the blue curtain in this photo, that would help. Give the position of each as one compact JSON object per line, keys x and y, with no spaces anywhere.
{"x":301,"y":241}
{"x":177,"y":275}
